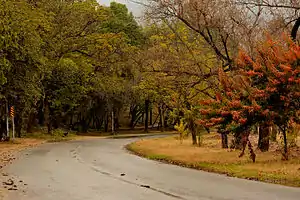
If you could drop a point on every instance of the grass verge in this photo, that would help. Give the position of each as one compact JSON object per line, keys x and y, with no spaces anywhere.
{"x":210,"y":157}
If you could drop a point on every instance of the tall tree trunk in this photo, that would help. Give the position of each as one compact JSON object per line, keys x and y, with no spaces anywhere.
{"x":150,"y":116}
{"x":41,"y":114}
{"x":112,"y":122}
{"x":224,"y":139}
{"x":133,"y":116}
{"x":192,"y":129}
{"x":161,"y":119}
{"x":106,"y":122}
{"x":147,"y":103}
{"x":137,"y":120}
{"x":31,"y":122}
{"x":71,"y":121}
{"x":194,"y":138}
{"x":18,"y":126}
{"x":285,"y":148}
{"x":117,"y":124}
{"x":47,"y":115}
{"x":295,"y":29}
{"x":264,"y":137}
{"x":157,"y":117}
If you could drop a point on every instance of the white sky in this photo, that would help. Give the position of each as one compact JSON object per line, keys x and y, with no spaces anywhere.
{"x":132,"y":7}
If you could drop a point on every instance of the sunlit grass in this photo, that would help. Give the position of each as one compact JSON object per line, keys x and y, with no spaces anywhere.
{"x":210,"y":157}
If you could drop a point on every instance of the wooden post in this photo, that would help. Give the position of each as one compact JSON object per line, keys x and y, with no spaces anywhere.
{"x":13,"y":127}
{"x":12,"y":115}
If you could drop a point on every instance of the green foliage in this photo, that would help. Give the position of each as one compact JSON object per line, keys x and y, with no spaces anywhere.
{"x":181,"y":128}
{"x":64,"y":63}
{"x":121,"y":21}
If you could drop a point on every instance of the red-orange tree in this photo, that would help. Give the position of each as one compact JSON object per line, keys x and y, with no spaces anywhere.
{"x":264,"y":89}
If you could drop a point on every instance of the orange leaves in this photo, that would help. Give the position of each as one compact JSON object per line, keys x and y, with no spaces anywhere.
{"x":266,"y":112}
{"x":297,"y":94}
{"x":262,"y":88}
{"x":207,"y":102}
{"x":242,"y":120}
{"x":297,"y":81}
{"x":235,"y":104}
{"x":224,"y":113}
{"x":291,"y":79}
{"x":253,"y":73}
{"x":216,"y":120}
{"x":236,"y":115}
{"x":201,"y":121}
{"x":271,"y":89}
{"x":218,"y":96}
{"x":257,"y":93}
{"x":274,"y":81}
{"x":286,"y":68}
{"x":244,"y":59}
{"x":204,"y":111}
{"x":229,"y":94}
{"x":296,"y":50}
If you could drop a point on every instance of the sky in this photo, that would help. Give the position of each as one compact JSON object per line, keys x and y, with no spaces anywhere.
{"x":132,"y":7}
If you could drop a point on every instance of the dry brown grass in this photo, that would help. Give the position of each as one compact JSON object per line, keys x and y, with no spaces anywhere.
{"x":210,"y":157}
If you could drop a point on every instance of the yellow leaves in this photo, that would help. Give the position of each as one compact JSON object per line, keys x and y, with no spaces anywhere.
{"x":164,"y":45}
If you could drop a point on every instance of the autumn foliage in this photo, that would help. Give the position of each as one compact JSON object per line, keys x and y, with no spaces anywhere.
{"x":264,"y":88}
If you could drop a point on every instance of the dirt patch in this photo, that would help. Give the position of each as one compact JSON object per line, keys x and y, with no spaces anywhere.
{"x":8,"y":150}
{"x":210,"y":157}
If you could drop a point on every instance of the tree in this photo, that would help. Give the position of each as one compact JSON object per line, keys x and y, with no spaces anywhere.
{"x":177,"y":70}
{"x":262,"y":89}
{"x":62,"y":66}
{"x":122,"y":21}
{"x":22,"y":58}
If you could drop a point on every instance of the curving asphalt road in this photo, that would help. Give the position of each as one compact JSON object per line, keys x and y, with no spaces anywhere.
{"x":101,"y":169}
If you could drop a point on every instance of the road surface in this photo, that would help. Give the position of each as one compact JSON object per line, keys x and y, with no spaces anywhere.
{"x":100,"y":169}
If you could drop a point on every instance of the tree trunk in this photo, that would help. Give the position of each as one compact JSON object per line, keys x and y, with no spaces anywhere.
{"x":161,"y":119}
{"x":71,"y":121}
{"x":150,"y":115}
{"x":31,"y":122}
{"x":84,"y":125}
{"x":147,"y":103}
{"x":106,"y":122}
{"x":112,"y":122}
{"x":264,"y":139}
{"x":285,"y":148}
{"x":41,"y":114}
{"x":224,"y":140}
{"x":133,"y":116}
{"x":18,"y":126}
{"x":137,"y":120}
{"x":47,"y":116}
{"x":295,"y":29}
{"x":117,"y":124}
{"x":157,"y":117}
{"x":192,"y":129}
